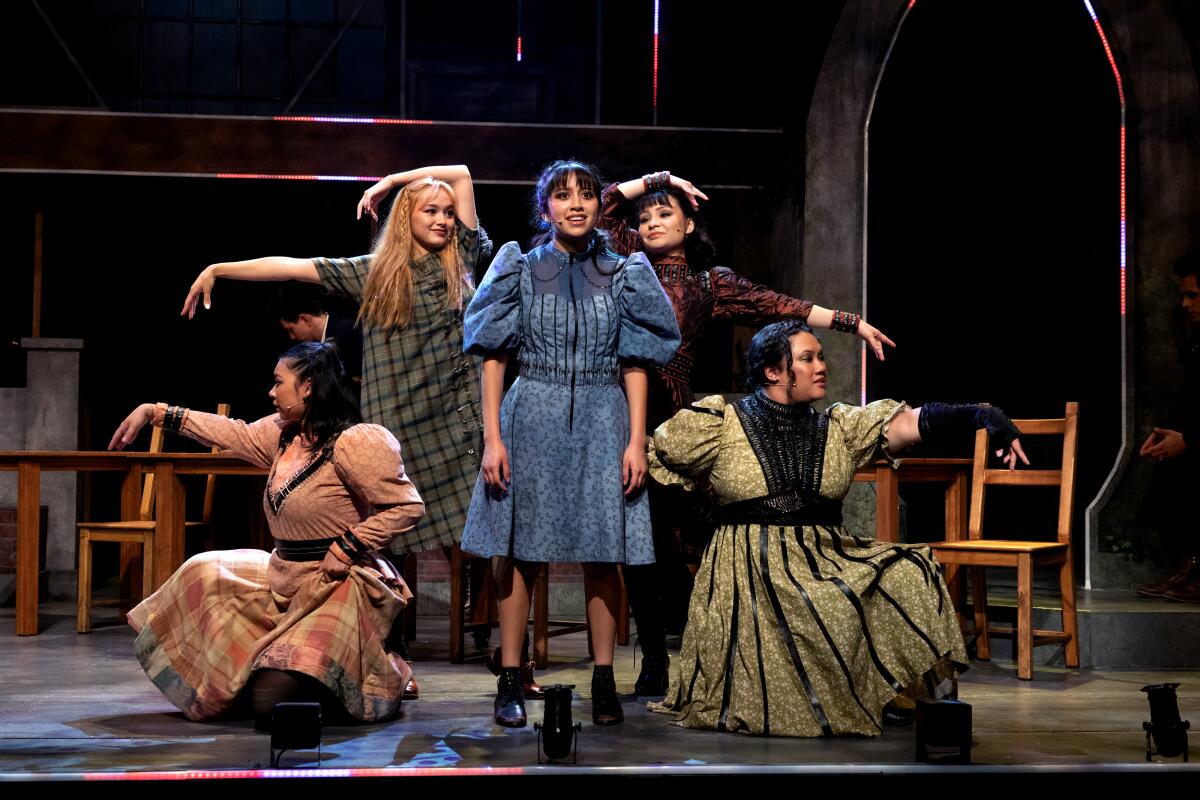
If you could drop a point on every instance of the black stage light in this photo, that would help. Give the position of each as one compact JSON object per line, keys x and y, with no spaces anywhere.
{"x":556,"y":734}
{"x":295,"y":726}
{"x":943,"y":723}
{"x":1169,"y":732}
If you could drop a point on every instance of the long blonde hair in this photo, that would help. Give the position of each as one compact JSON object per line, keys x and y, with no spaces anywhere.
{"x":389,"y":294}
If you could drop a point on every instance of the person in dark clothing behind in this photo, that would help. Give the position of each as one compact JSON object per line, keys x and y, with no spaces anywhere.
{"x":304,"y":312}
{"x":1175,"y":445}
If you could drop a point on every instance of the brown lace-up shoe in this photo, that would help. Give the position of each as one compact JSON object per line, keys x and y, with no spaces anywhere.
{"x":1188,"y":571}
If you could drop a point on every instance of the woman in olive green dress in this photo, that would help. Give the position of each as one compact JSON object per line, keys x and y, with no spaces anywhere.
{"x":796,"y":627}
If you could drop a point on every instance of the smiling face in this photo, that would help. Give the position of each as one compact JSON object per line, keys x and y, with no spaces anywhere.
{"x":433,"y":220}
{"x":807,"y":380}
{"x":663,"y":229}
{"x":572,"y":212}
{"x":288,"y":393}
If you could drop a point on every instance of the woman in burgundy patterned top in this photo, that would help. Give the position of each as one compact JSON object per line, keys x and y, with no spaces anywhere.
{"x":672,"y":235}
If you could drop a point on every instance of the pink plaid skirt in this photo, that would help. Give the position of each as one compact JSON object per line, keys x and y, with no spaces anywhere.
{"x":225,"y":614}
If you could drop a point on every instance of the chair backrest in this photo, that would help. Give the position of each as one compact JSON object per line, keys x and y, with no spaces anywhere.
{"x":210,"y":483}
{"x":146,"y":510}
{"x":1064,"y":478}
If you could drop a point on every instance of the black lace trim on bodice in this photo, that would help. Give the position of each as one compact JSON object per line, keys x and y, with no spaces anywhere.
{"x":276,"y":499}
{"x":789,"y":442}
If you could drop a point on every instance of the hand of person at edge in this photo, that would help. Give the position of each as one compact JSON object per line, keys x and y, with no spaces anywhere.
{"x":372,"y":197}
{"x":333,"y":568}
{"x":496,"y":472}
{"x":128,"y":430}
{"x":694,"y":195}
{"x":874,"y":338}
{"x":634,"y":468}
{"x":201,"y":288}
{"x":1163,"y":444}
{"x":1010,"y":455}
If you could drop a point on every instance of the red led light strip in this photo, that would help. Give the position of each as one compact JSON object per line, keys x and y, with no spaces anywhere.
{"x":269,"y":177}
{"x":1112,"y":61}
{"x":249,"y":774}
{"x":357,"y":120}
{"x":655,"y":79}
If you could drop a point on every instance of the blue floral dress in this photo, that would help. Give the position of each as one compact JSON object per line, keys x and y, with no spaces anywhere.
{"x":574,"y":320}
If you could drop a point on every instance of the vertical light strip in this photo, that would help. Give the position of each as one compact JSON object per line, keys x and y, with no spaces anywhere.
{"x":519,"y":37}
{"x":1091,"y":518}
{"x":866,"y":162}
{"x":655,"y":75}
{"x":1121,"y":95}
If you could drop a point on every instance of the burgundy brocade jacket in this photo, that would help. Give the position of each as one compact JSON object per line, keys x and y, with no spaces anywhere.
{"x":698,"y":297}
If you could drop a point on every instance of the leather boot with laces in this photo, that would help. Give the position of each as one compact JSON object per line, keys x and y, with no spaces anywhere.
{"x":1187,"y":571}
{"x":652,"y":682}
{"x":510,"y":700}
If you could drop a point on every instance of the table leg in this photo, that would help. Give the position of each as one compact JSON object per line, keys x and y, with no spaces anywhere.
{"x":168,"y":524}
{"x":131,"y":554}
{"x":29,"y":497}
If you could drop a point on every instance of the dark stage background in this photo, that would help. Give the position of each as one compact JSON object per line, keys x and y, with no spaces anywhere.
{"x":993,"y":204}
{"x":994,"y":226}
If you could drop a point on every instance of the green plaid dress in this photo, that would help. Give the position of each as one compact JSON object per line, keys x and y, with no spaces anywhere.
{"x":418,"y":383}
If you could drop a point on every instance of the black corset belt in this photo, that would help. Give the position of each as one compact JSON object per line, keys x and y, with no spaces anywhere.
{"x":307,"y":550}
{"x":790,"y":508}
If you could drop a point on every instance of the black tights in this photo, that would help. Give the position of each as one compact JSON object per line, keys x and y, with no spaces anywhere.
{"x":271,"y":686}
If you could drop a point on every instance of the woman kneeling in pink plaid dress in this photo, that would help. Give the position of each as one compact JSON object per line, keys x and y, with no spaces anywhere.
{"x":240,"y":630}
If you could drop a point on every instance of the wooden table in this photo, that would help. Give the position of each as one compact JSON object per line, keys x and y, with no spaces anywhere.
{"x":168,"y":505}
{"x":954,"y":472}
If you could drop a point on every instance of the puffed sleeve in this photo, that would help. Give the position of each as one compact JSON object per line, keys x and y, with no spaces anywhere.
{"x":864,"y":428}
{"x":345,"y":277}
{"x":649,"y":333}
{"x":739,"y":300}
{"x":686,"y":446}
{"x":492,"y":321}
{"x":613,"y":209}
{"x":256,"y":442}
{"x":367,"y":460}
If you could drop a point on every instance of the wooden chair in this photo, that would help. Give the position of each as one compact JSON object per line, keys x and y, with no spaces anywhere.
{"x":138,"y":533}
{"x":976,"y":553}
{"x":483,"y":612}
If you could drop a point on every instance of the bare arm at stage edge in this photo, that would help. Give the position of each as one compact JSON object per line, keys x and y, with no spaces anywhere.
{"x":271,"y":268}
{"x":457,"y":175}
{"x":818,"y":316}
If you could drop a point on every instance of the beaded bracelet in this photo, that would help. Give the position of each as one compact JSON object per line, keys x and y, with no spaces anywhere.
{"x":845,"y":321}
{"x":656,"y":181}
{"x":172,"y":419}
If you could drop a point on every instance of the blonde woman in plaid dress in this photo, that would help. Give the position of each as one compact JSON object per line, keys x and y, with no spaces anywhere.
{"x":417,"y":381}
{"x":312,"y":619}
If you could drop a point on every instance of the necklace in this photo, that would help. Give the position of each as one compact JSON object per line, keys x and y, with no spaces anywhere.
{"x":583,"y":271}
{"x":557,"y":272}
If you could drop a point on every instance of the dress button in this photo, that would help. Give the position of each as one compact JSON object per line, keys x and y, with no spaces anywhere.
{"x":471,"y":452}
{"x":455,"y":354}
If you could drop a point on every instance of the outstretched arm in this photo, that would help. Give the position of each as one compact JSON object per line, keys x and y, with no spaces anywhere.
{"x":271,"y":268}
{"x":933,"y":420}
{"x":457,"y":175}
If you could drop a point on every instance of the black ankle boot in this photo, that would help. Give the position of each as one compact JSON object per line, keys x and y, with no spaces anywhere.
{"x":652,"y":682}
{"x":606,"y":708}
{"x":510,"y":700}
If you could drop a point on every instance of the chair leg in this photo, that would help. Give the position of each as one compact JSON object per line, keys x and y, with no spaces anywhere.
{"x":148,"y":586}
{"x":983,"y":643}
{"x":1024,"y":617}
{"x":410,"y":612}
{"x":1066,"y":586}
{"x":83,"y":598}
{"x":541,"y":617}
{"x":457,"y":602}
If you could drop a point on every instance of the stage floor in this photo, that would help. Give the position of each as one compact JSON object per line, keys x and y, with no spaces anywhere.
{"x":76,"y":704}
